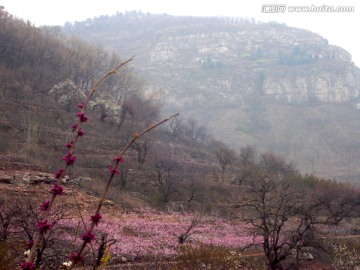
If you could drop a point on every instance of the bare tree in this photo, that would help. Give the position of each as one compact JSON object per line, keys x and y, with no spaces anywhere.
{"x":139,"y":111}
{"x":192,"y":183}
{"x":148,"y":111}
{"x":195,"y":222}
{"x":247,"y":155}
{"x":224,"y":155}
{"x":287,"y":217}
{"x":275,"y":163}
{"x":193,"y":189}
{"x":104,"y":242}
{"x":247,"y":165}
{"x":168,"y":176}
{"x":196,"y":132}
{"x":176,"y":127}
{"x":272,"y":203}
{"x":8,"y":215}
{"x":128,"y":110}
{"x":142,"y":149}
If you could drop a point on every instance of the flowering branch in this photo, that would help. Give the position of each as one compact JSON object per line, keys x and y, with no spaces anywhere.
{"x":95,"y":219}
{"x":69,"y":159}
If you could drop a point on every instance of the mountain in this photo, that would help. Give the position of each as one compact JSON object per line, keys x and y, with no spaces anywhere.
{"x":280,"y":88}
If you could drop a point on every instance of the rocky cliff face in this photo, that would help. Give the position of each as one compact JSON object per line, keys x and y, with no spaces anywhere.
{"x":221,"y":57}
{"x":324,"y":83}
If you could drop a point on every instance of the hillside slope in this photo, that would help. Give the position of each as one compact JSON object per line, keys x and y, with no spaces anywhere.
{"x":280,"y":88}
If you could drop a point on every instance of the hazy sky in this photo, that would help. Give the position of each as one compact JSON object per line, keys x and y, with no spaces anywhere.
{"x":340,"y":28}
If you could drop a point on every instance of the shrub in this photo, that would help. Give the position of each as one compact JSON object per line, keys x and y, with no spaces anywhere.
{"x":206,"y":257}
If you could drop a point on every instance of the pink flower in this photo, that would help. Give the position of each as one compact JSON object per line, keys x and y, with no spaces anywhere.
{"x":113,"y":170}
{"x":74,"y":127}
{"x":57,"y":189}
{"x":58,"y":173}
{"x":45,"y":205}
{"x":88,"y":237}
{"x":69,"y":145}
{"x":82,"y":117}
{"x":121,"y":159}
{"x":43,"y":226}
{"x":69,"y":158}
{"x":29,"y":244}
{"x":96,"y":218}
{"x":27,"y":265}
{"x":81,"y":132}
{"x":76,"y":258}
